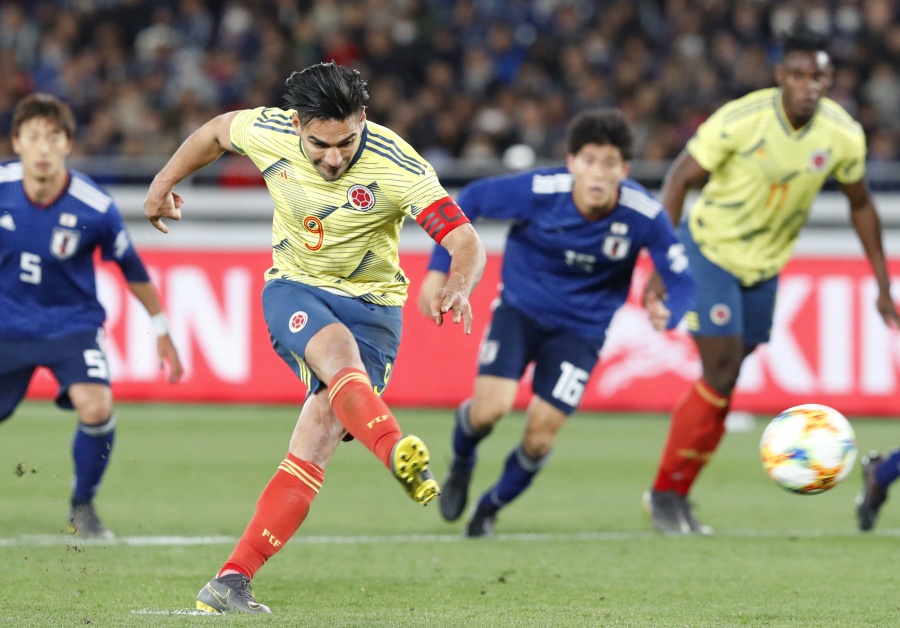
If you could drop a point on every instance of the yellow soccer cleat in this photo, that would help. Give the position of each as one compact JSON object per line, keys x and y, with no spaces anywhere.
{"x":409,"y":463}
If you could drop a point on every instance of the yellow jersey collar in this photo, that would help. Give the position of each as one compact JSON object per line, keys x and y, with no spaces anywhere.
{"x":781,"y":115}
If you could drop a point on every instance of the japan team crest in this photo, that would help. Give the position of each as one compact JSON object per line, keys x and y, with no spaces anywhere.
{"x":616,"y":247}
{"x":360,"y":197}
{"x":64,"y":243}
{"x":298,"y":321}
{"x":818,"y":161}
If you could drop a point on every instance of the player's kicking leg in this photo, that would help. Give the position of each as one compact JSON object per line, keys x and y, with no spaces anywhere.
{"x":409,"y":464}
{"x":348,"y":346}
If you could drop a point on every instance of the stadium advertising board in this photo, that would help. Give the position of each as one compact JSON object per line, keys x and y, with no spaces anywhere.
{"x":829,"y":345}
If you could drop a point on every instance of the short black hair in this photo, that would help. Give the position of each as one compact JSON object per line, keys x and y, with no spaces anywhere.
{"x":802,"y":39}
{"x":603,"y":127}
{"x":39,"y":105}
{"x":325,"y":91}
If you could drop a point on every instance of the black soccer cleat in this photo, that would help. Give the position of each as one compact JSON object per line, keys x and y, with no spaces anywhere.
{"x":873,"y":495}
{"x":84,"y":522}
{"x":229,"y":594}
{"x":455,"y":492}
{"x":695,"y":526}
{"x":481,"y":525}
{"x":667,"y":512}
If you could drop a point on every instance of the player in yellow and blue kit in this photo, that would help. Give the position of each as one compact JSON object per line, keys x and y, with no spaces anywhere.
{"x":763,"y":159}
{"x":342,"y":187}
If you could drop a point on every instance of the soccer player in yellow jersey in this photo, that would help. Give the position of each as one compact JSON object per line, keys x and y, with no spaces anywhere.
{"x":761,"y":160}
{"x":342,"y":187}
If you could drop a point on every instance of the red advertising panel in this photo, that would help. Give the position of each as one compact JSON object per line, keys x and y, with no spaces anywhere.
{"x":828,"y":346}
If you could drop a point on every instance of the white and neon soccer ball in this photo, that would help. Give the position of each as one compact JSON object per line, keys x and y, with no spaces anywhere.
{"x":808,"y":449}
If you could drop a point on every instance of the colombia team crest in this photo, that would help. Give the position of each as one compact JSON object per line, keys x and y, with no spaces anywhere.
{"x":818,"y":160}
{"x":361,"y":198}
{"x":297,"y":321}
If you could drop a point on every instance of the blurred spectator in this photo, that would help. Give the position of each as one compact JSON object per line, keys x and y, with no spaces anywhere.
{"x":460,"y":78}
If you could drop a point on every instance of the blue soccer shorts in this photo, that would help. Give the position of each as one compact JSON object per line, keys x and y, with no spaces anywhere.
{"x":76,"y":358}
{"x":295,"y":312}
{"x":724,"y":306}
{"x":562,"y":360}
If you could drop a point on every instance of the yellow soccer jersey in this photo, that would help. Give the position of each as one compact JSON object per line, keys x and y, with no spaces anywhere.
{"x":764,"y":176}
{"x":342,"y":235}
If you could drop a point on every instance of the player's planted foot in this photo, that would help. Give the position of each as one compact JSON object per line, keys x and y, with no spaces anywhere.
{"x":409,"y":463}
{"x":231,"y":593}
{"x":84,"y":522}
{"x":695,"y":526}
{"x":455,"y":492}
{"x":873,"y":495}
{"x":482,"y":523}
{"x":666,"y":512}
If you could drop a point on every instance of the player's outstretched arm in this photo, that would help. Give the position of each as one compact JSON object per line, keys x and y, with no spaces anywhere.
{"x":165,"y":348}
{"x":434,"y":280}
{"x":203,"y":147}
{"x":868,"y":228}
{"x":466,"y":268}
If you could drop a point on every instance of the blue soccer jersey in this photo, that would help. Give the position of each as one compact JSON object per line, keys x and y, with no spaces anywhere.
{"x":564,"y":270}
{"x":47,"y":286}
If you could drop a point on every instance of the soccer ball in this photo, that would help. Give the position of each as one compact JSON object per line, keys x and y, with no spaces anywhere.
{"x":808,"y":449}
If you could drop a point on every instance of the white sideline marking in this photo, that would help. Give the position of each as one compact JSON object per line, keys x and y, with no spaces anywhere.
{"x":398,"y":539}
{"x":159,"y":611}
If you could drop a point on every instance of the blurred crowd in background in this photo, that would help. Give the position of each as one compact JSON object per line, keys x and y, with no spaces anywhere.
{"x":464,"y":79}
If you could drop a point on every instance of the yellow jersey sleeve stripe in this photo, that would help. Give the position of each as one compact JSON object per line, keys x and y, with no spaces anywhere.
{"x":846,"y":125}
{"x":274,"y":127}
{"x":754,"y":107}
{"x":385,"y":152}
{"x":271,"y":114}
{"x":392,"y":147}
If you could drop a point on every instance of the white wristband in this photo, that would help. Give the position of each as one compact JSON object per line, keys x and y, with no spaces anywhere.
{"x":161,"y":323}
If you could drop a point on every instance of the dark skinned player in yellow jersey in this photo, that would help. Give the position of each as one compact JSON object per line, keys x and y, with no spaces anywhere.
{"x":760,"y":160}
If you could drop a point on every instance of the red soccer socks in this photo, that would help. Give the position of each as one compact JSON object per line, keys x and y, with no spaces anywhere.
{"x":698,"y":422}
{"x":281,"y":508}
{"x":363,"y":413}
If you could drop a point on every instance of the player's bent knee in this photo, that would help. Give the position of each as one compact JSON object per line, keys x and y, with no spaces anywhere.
{"x":537,"y":447}
{"x":485,"y":415}
{"x":95,"y":415}
{"x":93,"y":410}
{"x":723,"y":380}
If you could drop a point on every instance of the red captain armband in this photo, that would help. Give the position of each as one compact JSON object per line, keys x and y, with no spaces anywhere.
{"x":440,"y":218}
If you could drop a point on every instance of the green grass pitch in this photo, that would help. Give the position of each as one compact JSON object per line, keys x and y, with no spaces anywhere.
{"x":573,"y":551}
